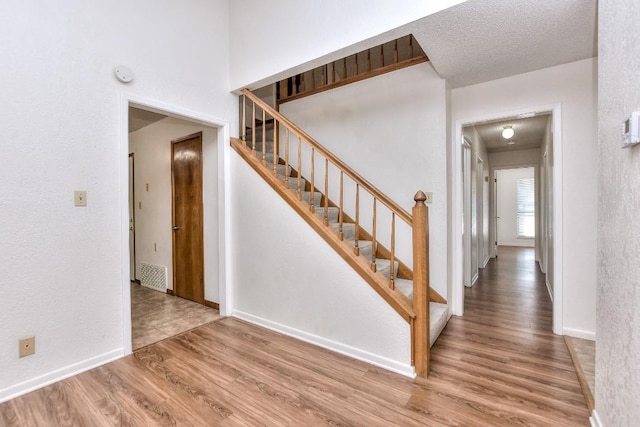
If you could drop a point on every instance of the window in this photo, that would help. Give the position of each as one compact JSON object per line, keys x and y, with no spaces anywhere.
{"x":526,"y":208}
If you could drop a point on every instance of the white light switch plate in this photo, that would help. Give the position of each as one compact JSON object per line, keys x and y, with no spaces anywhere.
{"x":80,"y":198}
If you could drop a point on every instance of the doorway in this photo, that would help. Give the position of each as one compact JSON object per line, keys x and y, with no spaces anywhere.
{"x":153,"y":213}
{"x":553,"y":177}
{"x":187,"y":214}
{"x":132,"y":220}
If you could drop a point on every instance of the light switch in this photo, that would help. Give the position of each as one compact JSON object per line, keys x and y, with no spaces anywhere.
{"x":429,"y":197}
{"x":80,"y":198}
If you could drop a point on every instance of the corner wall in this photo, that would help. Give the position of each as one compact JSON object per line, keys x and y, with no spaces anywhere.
{"x":618,"y":317}
{"x":572,"y":85}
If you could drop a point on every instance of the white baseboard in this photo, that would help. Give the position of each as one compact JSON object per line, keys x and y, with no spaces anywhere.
{"x":344,"y":349}
{"x":58,"y":375}
{"x":546,"y":281}
{"x":485,"y":262}
{"x":594,"y":419}
{"x":517,"y":244}
{"x":578,"y":333}
{"x":474,"y":280}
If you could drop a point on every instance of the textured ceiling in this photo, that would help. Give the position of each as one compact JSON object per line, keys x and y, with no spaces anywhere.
{"x":140,"y":118}
{"x":528,"y":133}
{"x":482,"y":40}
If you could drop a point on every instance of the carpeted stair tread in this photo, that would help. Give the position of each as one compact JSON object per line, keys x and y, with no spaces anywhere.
{"x":333,"y":212}
{"x":438,"y":318}
{"x":405,"y":287}
{"x":306,"y":196}
{"x":293,"y":182}
{"x":383,"y":266}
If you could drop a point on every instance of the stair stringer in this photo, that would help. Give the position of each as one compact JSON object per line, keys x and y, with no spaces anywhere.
{"x":272,"y":296}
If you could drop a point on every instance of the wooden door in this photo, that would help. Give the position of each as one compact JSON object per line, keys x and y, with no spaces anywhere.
{"x":188,"y":243}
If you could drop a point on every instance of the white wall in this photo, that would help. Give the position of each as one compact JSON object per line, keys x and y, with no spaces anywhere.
{"x":152,"y":148}
{"x":265,"y":40}
{"x":61,"y":126}
{"x":573,"y":86}
{"x":508,"y":206}
{"x":391,"y":130}
{"x":618,"y":319}
{"x":288,"y":278}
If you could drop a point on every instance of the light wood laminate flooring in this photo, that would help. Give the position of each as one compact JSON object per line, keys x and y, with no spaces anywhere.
{"x":499,"y":365}
{"x":157,"y":315}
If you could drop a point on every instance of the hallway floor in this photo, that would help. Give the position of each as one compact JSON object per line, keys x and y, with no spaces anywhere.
{"x":499,"y":365}
{"x":156,"y":315}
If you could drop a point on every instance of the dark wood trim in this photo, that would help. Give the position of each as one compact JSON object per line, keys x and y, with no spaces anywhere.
{"x":582,"y":379}
{"x":170,"y":292}
{"x":212,"y":304}
{"x":357,"y":78}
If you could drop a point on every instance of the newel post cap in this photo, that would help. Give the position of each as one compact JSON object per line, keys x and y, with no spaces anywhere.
{"x":420,"y":197}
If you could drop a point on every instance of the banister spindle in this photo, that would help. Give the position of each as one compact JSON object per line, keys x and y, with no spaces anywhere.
{"x":395,"y":51}
{"x":373,"y":238}
{"x":393,"y":251}
{"x":340,"y":233}
{"x":313,"y":180}
{"x":287,"y":172}
{"x":253,"y":128}
{"x":299,"y":191}
{"x":420,"y":227}
{"x":326,"y":191}
{"x":356,"y":248}
{"x":275,"y":147}
{"x":244,"y":120}
{"x":264,"y":137}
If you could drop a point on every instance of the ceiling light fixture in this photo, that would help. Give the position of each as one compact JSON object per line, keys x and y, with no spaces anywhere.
{"x":507,"y":132}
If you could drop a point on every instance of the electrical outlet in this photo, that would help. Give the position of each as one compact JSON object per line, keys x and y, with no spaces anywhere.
{"x":429,"y":197}
{"x":80,"y":198}
{"x":26,"y":346}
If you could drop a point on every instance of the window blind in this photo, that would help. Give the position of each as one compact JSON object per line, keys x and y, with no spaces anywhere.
{"x":525,"y":196}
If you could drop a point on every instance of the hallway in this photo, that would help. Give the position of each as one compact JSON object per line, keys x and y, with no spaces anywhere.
{"x":501,"y":356}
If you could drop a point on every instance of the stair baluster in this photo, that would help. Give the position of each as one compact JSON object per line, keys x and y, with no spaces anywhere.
{"x":287,"y":172}
{"x":264,"y":137}
{"x":393,"y":251}
{"x":312,"y":207}
{"x":356,"y":249}
{"x":299,"y":190}
{"x":373,"y":238}
{"x":326,"y":192}
{"x":341,"y":211}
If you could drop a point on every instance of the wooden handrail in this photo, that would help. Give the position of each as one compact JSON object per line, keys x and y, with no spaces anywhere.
{"x":380,"y":196}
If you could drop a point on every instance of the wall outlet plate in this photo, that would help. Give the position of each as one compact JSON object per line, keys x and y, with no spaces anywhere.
{"x":26,"y":346}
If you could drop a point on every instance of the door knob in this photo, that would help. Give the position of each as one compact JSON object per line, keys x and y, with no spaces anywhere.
{"x":176,"y":228}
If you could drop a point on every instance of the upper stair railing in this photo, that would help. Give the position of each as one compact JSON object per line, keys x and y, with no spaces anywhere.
{"x":384,"y":58}
{"x":288,"y":145}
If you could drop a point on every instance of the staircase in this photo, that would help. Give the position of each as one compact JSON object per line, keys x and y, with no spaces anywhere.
{"x":275,"y":148}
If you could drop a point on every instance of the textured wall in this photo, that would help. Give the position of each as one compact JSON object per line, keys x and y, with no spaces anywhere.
{"x":61,"y":275}
{"x":618,"y":321}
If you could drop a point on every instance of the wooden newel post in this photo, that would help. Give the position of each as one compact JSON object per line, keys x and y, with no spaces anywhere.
{"x":421,"y":283}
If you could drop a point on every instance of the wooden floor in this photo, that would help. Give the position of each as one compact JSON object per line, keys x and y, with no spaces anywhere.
{"x":157,"y":315}
{"x":499,"y":365}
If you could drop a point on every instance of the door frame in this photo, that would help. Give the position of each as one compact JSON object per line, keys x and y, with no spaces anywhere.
{"x":224,"y":199}
{"x":456,"y":203}
{"x":467,"y":276}
{"x":132,"y":219}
